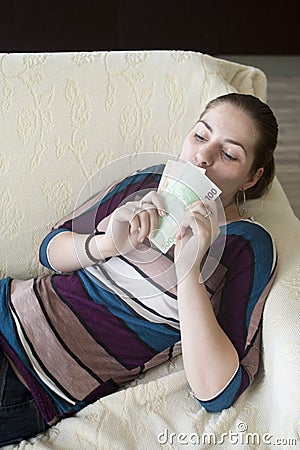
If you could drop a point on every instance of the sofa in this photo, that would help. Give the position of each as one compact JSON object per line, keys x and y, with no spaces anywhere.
{"x":72,"y":123}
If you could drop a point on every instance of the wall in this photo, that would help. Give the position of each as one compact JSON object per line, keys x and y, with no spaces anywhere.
{"x":214,"y":26}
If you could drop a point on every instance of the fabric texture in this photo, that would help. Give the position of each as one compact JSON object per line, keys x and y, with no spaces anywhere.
{"x":69,"y":121}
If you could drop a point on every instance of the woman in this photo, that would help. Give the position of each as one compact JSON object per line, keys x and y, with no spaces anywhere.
{"x":117,"y":307}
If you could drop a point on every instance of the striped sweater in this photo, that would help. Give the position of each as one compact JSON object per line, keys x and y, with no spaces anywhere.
{"x":77,"y":337}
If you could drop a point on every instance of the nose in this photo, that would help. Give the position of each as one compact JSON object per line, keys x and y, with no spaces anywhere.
{"x":205,"y":155}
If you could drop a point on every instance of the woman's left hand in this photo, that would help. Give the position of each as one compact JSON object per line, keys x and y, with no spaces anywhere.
{"x":131,"y":223}
{"x":196,"y":233}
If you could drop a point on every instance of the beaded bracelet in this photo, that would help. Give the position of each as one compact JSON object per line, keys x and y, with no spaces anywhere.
{"x":86,"y":246}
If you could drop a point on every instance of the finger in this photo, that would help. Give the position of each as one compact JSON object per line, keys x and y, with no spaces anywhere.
{"x":213,"y":207}
{"x":184,"y":225}
{"x":153,"y":221}
{"x":127,"y":212}
{"x":134,"y":224}
{"x":194,"y":220}
{"x":143,"y":217}
{"x":154,"y":198}
{"x":198,"y":206}
{"x":205,"y":209}
{"x":144,"y":225}
{"x":152,"y":217}
{"x":185,"y":232}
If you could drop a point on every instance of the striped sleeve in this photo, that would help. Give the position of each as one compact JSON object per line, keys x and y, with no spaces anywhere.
{"x":43,"y":255}
{"x":250,"y":261}
{"x":86,"y":218}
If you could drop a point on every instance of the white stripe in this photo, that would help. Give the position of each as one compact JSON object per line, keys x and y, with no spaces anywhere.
{"x":41,"y":374}
{"x":150,"y":296}
{"x":142,"y":288}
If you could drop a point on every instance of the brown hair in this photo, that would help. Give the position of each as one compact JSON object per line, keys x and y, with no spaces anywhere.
{"x":267,"y":131}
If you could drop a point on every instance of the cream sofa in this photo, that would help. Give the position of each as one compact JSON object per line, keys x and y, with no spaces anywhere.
{"x":73,"y":122}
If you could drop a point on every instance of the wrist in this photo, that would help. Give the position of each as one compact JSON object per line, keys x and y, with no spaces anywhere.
{"x":94,"y":248}
{"x":192,"y":294}
{"x":188,"y":275}
{"x":103,"y":246}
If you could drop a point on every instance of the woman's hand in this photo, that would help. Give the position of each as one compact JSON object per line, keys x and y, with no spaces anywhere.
{"x":131,"y":223}
{"x":127,"y":226}
{"x":196,"y":233}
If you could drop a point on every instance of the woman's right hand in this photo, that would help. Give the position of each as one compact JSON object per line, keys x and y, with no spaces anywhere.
{"x":130,"y":224}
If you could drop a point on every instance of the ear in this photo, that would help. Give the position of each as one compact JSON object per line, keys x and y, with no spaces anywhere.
{"x":253,"y":179}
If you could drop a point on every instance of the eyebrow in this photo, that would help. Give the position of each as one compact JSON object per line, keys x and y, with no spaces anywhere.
{"x":231,"y":141}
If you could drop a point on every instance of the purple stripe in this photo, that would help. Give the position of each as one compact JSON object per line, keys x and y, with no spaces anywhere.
{"x":234,"y":246}
{"x":104,"y":389}
{"x":107,"y":329}
{"x":87,"y":221}
{"x":231,"y":316}
{"x":244,"y":384}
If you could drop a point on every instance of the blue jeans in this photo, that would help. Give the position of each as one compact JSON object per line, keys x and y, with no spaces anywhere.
{"x":19,"y":415}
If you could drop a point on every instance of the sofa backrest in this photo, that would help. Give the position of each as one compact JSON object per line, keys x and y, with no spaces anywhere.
{"x":65,"y":116}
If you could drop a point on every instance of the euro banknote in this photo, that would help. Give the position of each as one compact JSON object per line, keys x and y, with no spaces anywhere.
{"x":181,"y":184}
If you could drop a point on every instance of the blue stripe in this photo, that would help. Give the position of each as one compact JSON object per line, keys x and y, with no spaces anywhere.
{"x":137,"y":177}
{"x":7,"y":323}
{"x":43,"y":248}
{"x":225,"y":398}
{"x":157,"y":336}
{"x":11,"y":337}
{"x":262,"y":248}
{"x":8,"y":330}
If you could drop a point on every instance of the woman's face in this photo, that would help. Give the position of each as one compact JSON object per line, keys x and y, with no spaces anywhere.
{"x":222,"y":142}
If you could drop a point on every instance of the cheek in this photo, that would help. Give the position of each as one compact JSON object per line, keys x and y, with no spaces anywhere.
{"x":184,"y":154}
{"x":227,"y":180}
{"x":187,"y":149}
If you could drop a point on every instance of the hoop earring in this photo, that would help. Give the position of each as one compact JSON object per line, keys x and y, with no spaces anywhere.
{"x":241,"y":208}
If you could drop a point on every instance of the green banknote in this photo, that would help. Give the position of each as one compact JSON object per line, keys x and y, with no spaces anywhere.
{"x":182,"y":184}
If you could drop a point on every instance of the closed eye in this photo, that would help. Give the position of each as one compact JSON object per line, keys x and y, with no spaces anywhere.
{"x":229,"y":156}
{"x":199,"y":137}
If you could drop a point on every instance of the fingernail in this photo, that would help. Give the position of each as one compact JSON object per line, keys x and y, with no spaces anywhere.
{"x":161,"y":212}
